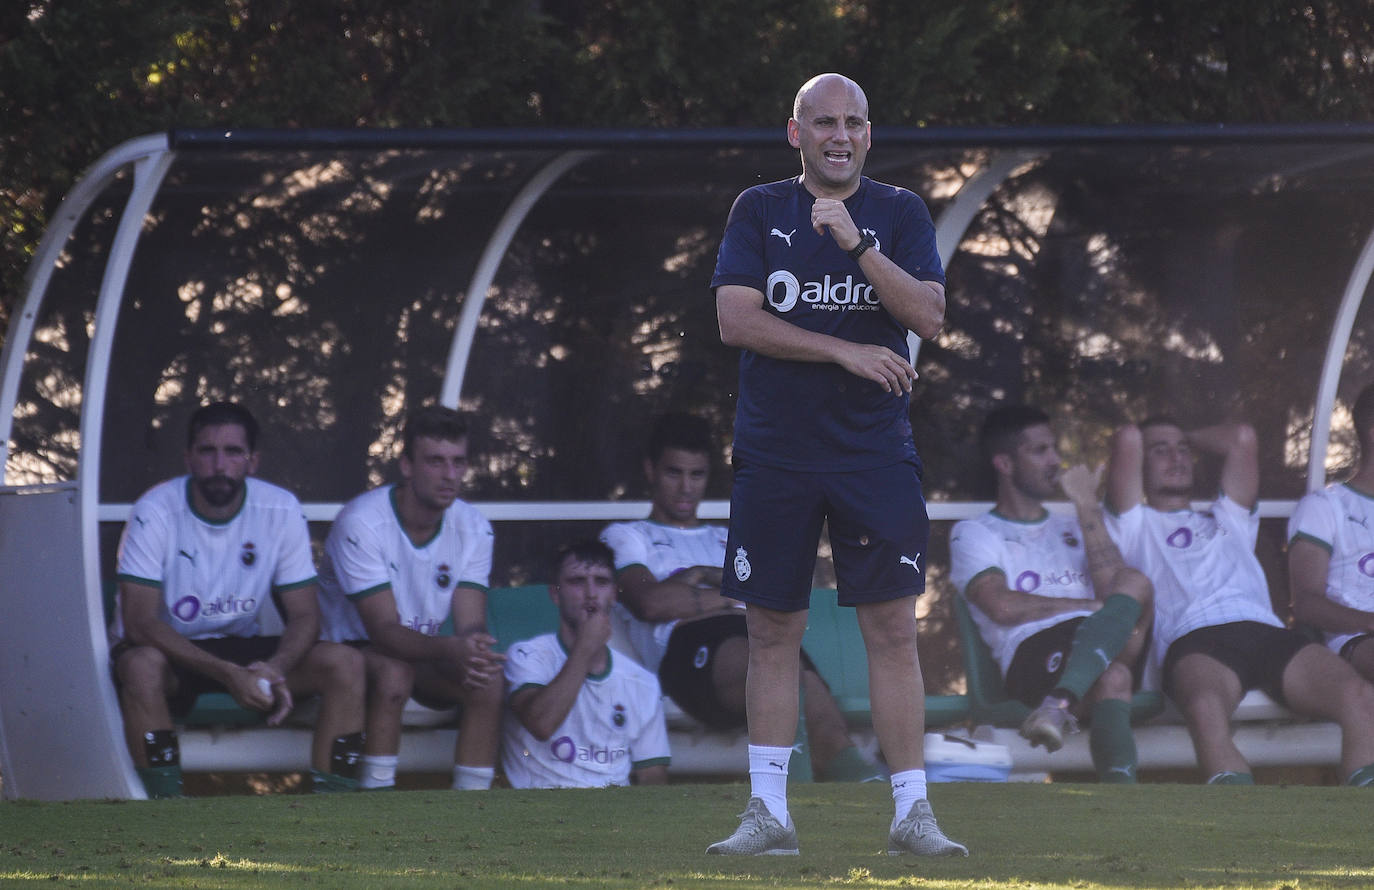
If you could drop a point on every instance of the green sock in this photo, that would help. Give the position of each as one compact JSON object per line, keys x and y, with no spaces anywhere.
{"x":161,"y":782}
{"x":1112,"y":743}
{"x":328,"y":783}
{"x":1362,"y":777}
{"x":851,"y":766}
{"x":1098,"y":640}
{"x":1229,"y":777}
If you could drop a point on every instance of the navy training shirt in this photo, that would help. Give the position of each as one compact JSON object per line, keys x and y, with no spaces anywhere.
{"x":816,"y":416}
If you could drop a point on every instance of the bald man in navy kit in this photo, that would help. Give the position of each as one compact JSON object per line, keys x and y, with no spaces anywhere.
{"x":818,"y":280}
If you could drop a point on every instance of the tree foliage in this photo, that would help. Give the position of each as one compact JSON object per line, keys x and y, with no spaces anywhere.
{"x":78,"y":77}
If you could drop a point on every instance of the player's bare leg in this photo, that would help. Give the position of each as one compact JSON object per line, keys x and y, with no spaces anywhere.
{"x":1207,"y":693}
{"x":336,"y":673}
{"x":389,"y":684}
{"x":771,"y":700}
{"x":145,"y":680}
{"x":826,"y":731}
{"x":1319,"y":683}
{"x":897,"y":693}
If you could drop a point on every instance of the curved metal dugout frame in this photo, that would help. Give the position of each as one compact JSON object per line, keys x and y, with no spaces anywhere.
{"x":101,"y":767}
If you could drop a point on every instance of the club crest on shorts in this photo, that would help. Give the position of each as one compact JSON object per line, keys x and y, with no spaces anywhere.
{"x":699,"y":660}
{"x":1053,"y":662}
{"x":742,"y":568}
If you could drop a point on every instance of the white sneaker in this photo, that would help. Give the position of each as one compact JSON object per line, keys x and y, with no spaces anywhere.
{"x":919,"y":834}
{"x":1048,"y":724}
{"x":759,"y":834}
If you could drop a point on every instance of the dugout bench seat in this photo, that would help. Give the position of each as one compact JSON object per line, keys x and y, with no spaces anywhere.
{"x":1267,"y":733}
{"x":218,"y":735}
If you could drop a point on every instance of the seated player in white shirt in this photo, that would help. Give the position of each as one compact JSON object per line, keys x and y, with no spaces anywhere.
{"x":200,"y":558}
{"x":669,"y":570}
{"x":581,"y":715}
{"x":1064,"y":617}
{"x":1216,"y":635}
{"x":1331,"y":554}
{"x":405,"y":578}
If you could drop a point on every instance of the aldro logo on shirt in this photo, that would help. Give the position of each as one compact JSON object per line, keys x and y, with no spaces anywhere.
{"x":784,"y":291}
{"x":1030,"y":581}
{"x":189,"y":608}
{"x":569,"y":751}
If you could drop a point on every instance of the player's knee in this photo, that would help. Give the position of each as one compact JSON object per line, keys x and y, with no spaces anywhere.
{"x":1357,"y":696}
{"x":1134,"y":584}
{"x":486,"y":698}
{"x":143,"y":670}
{"x":772,"y":630}
{"x":891,"y":636}
{"x":340,"y":667}
{"x":389,"y":682}
{"x":1116,"y":682}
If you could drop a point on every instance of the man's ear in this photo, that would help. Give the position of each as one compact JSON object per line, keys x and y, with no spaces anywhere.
{"x":1002,"y":464}
{"x":253,"y":464}
{"x":794,"y":133}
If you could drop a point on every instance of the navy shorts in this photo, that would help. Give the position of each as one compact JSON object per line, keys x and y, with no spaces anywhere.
{"x":1256,"y":653}
{"x":878,"y":534}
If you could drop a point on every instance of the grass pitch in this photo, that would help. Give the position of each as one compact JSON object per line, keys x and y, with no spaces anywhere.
{"x":1021,"y":836}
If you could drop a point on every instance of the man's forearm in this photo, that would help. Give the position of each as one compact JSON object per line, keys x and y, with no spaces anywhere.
{"x":1100,"y":551}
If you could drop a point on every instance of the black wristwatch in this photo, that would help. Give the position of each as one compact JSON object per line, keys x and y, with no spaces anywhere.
{"x":865,"y":243}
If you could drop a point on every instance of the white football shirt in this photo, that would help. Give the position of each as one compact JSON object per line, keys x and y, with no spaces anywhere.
{"x":1340,"y":520}
{"x":664,"y":550}
{"x":615,"y":727}
{"x":1044,"y":557}
{"x":368,"y":551}
{"x":215,"y":577}
{"x":1202,"y":564}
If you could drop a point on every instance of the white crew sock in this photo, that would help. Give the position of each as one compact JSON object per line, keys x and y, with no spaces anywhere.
{"x":379,"y":771}
{"x":472,"y":778}
{"x":908,"y":786}
{"x":768,"y":778}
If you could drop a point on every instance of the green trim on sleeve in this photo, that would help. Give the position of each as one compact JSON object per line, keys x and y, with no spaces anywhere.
{"x":134,"y":579}
{"x":652,"y":761}
{"x":1304,"y":536}
{"x":286,"y":588}
{"x":990,"y":570}
{"x":522,"y":687}
{"x":364,"y":594}
{"x":473,"y":585}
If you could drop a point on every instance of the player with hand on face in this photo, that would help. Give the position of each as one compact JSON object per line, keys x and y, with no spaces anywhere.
{"x":580,"y":714}
{"x":1063,"y":615}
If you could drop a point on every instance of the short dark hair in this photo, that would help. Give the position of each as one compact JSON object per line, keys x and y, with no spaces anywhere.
{"x":223,"y":414}
{"x":591,"y":551}
{"x":432,"y":422}
{"x":1363,"y":415}
{"x":680,"y":430}
{"x":1002,"y":428}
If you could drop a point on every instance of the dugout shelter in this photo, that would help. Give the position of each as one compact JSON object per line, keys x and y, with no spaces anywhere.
{"x":554,"y":284}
